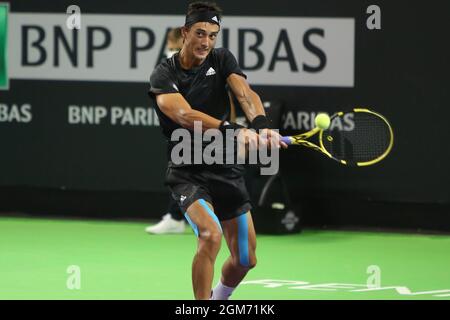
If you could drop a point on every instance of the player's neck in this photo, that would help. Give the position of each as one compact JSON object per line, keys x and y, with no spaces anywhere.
{"x":188,"y":61}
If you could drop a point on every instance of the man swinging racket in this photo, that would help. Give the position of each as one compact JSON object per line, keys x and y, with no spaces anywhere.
{"x":191,"y":87}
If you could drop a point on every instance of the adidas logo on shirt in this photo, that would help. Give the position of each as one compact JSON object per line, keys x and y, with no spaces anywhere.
{"x":210,"y":72}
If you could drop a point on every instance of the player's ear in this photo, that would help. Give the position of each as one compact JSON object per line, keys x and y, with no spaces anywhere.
{"x":184,"y":32}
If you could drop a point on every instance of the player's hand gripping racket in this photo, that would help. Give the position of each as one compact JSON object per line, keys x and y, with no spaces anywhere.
{"x":357,"y":138}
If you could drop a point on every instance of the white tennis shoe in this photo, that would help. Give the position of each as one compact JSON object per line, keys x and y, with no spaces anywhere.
{"x":167,"y":225}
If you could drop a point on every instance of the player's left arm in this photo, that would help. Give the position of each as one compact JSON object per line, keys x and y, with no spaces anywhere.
{"x":248,"y":99}
{"x":251,"y":104}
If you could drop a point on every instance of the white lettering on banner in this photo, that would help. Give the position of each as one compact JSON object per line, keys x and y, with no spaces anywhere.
{"x":134,"y":116}
{"x":86,"y":114}
{"x":123,"y":116}
{"x":15,"y":113}
{"x":303,"y":120}
{"x":289,"y":51}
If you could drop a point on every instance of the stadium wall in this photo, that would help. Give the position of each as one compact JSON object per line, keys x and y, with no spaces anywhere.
{"x":76,"y":122}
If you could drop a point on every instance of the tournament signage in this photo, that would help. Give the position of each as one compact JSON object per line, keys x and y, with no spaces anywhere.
{"x":3,"y":46}
{"x":289,"y":51}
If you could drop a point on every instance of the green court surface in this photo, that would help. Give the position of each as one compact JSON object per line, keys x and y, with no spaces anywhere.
{"x":45,"y":259}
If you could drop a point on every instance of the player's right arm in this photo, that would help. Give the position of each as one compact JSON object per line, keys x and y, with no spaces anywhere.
{"x":165,"y":91}
{"x":174,"y":106}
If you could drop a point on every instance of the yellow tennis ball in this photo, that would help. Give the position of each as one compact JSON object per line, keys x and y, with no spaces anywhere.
{"x":322,"y":121}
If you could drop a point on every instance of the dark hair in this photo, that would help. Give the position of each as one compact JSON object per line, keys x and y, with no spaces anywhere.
{"x":199,"y":6}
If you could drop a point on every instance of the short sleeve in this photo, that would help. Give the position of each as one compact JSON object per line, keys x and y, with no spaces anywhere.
{"x":161,"y":81}
{"x":229,"y":64}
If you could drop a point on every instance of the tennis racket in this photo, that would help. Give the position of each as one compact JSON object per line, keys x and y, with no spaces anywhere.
{"x":360,"y":137}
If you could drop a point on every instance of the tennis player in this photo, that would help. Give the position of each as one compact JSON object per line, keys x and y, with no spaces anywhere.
{"x":191,"y":87}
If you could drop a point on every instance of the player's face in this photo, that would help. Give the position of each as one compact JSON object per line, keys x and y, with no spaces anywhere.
{"x":200,"y":39}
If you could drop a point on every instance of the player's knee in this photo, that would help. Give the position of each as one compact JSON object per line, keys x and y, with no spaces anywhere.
{"x":211,"y":237}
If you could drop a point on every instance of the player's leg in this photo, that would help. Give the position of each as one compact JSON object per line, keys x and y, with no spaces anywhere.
{"x":206,"y":225}
{"x":240,"y":236}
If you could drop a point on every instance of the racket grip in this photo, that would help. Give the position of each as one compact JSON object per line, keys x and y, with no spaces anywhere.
{"x":286,"y":140}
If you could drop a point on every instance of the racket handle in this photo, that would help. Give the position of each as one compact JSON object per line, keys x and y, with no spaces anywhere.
{"x":286,"y":140}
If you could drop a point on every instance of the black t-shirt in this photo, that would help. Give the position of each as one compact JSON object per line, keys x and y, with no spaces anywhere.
{"x":203,"y":87}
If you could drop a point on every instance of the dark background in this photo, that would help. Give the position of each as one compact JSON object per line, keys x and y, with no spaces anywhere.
{"x":51,"y":168}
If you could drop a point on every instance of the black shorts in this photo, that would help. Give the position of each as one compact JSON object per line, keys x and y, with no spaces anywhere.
{"x":223,"y":187}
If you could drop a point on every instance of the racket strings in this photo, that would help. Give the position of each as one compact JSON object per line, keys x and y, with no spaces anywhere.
{"x":367,"y":140}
